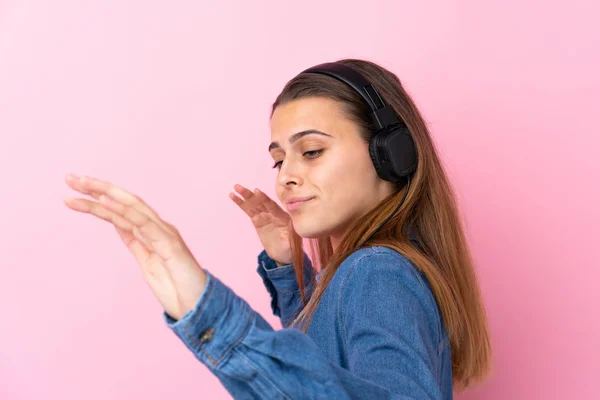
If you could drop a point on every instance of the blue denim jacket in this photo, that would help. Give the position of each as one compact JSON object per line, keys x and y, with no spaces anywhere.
{"x":376,"y":334}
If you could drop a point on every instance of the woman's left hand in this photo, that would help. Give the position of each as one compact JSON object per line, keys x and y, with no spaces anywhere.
{"x":168,"y":266}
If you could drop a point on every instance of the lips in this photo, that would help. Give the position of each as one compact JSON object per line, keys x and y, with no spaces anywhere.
{"x":296,"y":202}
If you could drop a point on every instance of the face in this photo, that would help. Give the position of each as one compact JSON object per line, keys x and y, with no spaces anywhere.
{"x":325,"y":177}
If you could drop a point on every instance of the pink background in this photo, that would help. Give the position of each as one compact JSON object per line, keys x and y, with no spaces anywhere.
{"x":171,"y":102}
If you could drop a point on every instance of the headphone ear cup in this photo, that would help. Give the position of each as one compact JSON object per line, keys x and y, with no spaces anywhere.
{"x":403,"y":151}
{"x":393,"y":153}
{"x":378,"y":156}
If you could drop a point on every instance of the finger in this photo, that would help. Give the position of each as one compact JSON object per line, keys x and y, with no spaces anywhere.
{"x":248,"y":206}
{"x":100,"y":211}
{"x":262,"y":219}
{"x":165,"y":245}
{"x":96,"y":188}
{"x":245,"y":193}
{"x":96,"y":209}
{"x":151,"y":234}
{"x":137,"y":248}
{"x":236,"y":199}
{"x":129,"y":213}
{"x":89,"y":185}
{"x":153,"y":272}
{"x":269,"y":204}
{"x":74,"y":183}
{"x":244,"y":205}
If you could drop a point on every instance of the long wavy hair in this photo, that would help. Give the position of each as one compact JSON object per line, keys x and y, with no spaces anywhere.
{"x":429,"y":212}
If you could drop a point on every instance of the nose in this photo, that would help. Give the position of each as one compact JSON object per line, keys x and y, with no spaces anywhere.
{"x":289,"y":174}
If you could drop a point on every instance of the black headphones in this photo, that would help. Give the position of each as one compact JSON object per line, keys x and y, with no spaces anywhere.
{"x":392,"y":147}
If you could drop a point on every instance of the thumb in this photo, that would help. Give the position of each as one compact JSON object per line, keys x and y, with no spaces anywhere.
{"x":139,"y":251}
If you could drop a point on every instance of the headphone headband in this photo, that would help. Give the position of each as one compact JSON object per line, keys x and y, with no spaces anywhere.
{"x":382,"y":114}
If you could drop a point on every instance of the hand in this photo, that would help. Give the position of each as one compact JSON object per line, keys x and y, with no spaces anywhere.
{"x":167,"y":264}
{"x":270,"y":221}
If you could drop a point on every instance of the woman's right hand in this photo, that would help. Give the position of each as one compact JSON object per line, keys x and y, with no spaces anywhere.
{"x":270,"y":221}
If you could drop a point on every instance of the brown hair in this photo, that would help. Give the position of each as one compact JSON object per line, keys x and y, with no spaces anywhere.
{"x":429,"y":212}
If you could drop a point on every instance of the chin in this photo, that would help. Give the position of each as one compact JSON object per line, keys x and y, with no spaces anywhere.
{"x":309,"y":233}
{"x":310,"y":229}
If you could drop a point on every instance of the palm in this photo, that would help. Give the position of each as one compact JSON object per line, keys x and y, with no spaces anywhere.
{"x":168,"y":267}
{"x":154,"y":268}
{"x":166,"y":263}
{"x":270,"y":221}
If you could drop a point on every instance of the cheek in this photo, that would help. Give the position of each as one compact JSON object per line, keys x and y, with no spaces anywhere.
{"x":354,"y":185}
{"x":341,"y":179}
{"x":279,"y":193}
{"x":329,"y":177}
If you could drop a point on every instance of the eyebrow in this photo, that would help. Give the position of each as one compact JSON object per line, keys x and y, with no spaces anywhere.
{"x":297,"y":136}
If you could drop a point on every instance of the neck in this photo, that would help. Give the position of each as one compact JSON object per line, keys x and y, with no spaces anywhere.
{"x":335,"y":241}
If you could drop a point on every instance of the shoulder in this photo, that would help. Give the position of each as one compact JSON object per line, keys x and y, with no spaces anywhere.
{"x":378,"y":264}
{"x":383,"y":281}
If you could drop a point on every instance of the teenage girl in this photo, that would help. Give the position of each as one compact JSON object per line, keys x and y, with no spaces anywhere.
{"x":393,"y":312}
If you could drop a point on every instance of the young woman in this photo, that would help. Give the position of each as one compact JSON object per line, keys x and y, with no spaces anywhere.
{"x":395,"y":309}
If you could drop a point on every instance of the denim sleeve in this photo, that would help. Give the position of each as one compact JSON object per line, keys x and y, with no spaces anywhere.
{"x":253,"y":361}
{"x":280,"y":282}
{"x":391,"y":326}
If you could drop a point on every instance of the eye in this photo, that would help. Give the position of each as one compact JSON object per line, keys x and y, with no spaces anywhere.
{"x":308,"y":154}
{"x":313,"y":153}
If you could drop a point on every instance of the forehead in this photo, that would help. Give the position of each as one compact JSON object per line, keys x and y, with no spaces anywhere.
{"x":308,"y":113}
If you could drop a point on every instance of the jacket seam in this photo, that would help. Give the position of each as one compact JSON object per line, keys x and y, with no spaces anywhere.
{"x":246,"y":360}
{"x":341,"y":291}
{"x":214,"y":362}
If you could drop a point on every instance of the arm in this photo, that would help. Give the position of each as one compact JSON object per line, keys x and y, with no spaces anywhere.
{"x":254,"y":361}
{"x":281,"y":284}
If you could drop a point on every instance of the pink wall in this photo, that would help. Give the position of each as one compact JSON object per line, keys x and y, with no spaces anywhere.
{"x":171,"y":102}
